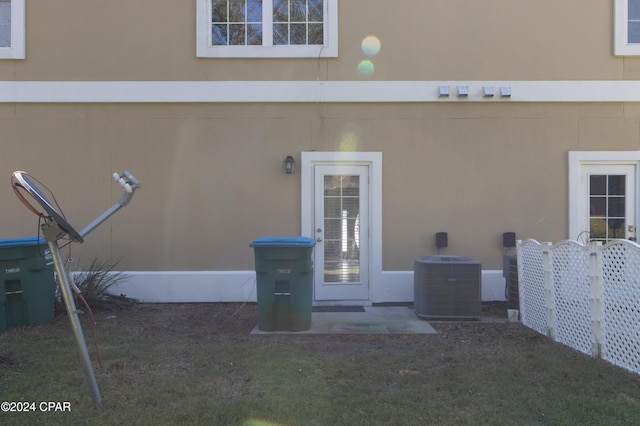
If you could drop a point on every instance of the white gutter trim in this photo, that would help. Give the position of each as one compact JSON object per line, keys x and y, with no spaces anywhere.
{"x":316,"y":91}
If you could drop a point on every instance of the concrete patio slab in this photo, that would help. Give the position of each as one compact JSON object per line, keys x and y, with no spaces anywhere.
{"x":374,"y":320}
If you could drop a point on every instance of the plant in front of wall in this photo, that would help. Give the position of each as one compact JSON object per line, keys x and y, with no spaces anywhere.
{"x":94,"y":280}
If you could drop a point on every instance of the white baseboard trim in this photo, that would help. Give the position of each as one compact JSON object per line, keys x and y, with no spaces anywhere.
{"x":188,"y":286}
{"x":493,"y":286}
{"x":240,"y":286}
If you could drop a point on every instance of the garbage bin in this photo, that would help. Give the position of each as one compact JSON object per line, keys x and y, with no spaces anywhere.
{"x":27,"y":283}
{"x":284,"y":275}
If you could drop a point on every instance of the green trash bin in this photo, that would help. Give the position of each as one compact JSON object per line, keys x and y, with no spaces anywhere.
{"x":284,"y":275}
{"x":27,"y":282}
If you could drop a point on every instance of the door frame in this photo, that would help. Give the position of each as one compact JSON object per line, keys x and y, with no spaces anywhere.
{"x":578,"y":160}
{"x":308,"y":161}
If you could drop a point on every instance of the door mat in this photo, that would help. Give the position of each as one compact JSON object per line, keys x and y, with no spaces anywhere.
{"x":337,"y":309}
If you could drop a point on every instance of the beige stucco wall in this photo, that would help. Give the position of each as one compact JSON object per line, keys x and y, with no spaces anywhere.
{"x":212,"y":178}
{"x":421,"y":40}
{"x":211,"y":173}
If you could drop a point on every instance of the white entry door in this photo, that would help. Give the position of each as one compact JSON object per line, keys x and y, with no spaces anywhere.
{"x":608,"y":193}
{"x":341,"y":224}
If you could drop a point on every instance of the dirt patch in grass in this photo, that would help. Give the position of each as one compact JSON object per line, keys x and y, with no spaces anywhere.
{"x":199,"y":364}
{"x":166,"y":324}
{"x":200,"y":320}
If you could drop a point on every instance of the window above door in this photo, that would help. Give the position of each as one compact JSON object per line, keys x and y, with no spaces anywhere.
{"x":12,"y":29}
{"x":267,"y":28}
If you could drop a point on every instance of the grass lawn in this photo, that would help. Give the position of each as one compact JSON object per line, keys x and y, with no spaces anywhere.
{"x":198,"y":364}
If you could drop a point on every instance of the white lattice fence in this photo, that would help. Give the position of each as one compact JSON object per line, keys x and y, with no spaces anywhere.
{"x":532,"y":303}
{"x":586,"y":297}
{"x":621,"y":302}
{"x":571,"y":295}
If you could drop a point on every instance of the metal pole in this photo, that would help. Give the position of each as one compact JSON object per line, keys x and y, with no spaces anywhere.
{"x":130,"y":185}
{"x":63,"y":278}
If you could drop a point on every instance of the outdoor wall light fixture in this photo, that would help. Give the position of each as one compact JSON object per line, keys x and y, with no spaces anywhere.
{"x":289,"y":165}
{"x":463,"y":91}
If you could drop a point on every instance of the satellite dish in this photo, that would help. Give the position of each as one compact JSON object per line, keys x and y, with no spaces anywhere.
{"x":33,"y":190}
{"x":55,"y":228}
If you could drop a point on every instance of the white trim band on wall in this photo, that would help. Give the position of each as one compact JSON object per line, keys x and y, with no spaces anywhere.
{"x":315,"y":91}
{"x":240,"y":286}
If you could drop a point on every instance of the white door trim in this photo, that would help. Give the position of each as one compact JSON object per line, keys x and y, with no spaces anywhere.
{"x":372,"y":159}
{"x":578,"y":159}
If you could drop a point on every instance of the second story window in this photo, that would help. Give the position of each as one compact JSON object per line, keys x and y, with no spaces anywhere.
{"x":267,"y":28}
{"x":11,"y":29}
{"x":236,"y":22}
{"x":298,"y":22}
{"x":627,"y":28}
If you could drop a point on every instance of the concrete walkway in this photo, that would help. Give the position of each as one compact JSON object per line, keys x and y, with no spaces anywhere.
{"x":374,"y":320}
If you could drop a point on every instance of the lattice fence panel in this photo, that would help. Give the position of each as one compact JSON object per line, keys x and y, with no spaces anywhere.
{"x":531,"y":279}
{"x":621,"y":301}
{"x":572,"y":295}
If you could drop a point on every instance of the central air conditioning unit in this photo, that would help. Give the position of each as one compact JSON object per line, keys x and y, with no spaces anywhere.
{"x":447,"y":287}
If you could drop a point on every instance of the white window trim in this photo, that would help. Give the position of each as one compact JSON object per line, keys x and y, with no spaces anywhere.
{"x":205,"y":50}
{"x":578,"y":159}
{"x":17,"y":50}
{"x":621,"y":47}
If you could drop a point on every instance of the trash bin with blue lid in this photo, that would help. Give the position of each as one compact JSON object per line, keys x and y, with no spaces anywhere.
{"x":284,"y":275}
{"x":27,"y":282}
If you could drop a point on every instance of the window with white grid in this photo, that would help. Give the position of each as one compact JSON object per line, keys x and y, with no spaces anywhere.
{"x":11,"y":29}
{"x":627,"y":28}
{"x":607,"y":207}
{"x":267,"y":28}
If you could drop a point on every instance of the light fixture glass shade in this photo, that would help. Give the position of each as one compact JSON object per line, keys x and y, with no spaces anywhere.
{"x":289,"y":165}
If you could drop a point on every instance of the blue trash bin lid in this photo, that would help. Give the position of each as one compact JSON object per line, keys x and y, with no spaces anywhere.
{"x":283,"y":242}
{"x":24,"y":241}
